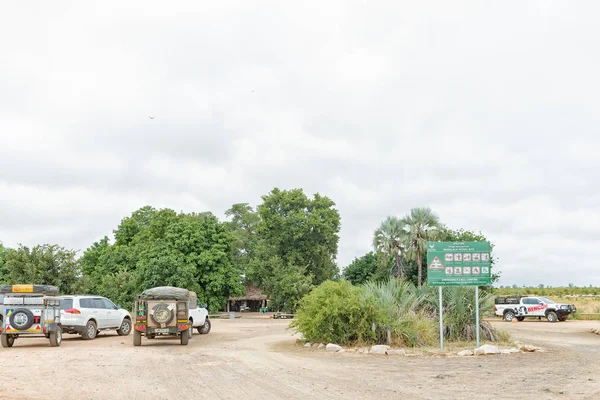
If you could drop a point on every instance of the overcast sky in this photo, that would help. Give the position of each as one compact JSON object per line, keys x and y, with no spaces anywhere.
{"x":487,"y":112}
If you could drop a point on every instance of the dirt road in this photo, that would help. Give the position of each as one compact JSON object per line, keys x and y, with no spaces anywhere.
{"x":252,"y":358}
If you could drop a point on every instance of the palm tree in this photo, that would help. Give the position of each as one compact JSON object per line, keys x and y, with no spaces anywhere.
{"x":421,"y":225}
{"x":388,"y":240}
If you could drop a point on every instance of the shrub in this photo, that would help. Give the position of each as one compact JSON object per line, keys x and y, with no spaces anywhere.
{"x":336,"y":312}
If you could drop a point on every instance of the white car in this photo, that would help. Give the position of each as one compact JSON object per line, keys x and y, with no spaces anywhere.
{"x":198,"y":315}
{"x":88,"y":315}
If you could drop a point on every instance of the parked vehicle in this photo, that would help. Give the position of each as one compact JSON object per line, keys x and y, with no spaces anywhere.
{"x":521,"y":307}
{"x":30,"y":310}
{"x":198,"y":315}
{"x":162,"y":311}
{"x":89,"y":315}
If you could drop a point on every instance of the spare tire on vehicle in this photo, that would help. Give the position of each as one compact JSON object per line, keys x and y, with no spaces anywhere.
{"x":162,"y":314}
{"x":21,"y":319}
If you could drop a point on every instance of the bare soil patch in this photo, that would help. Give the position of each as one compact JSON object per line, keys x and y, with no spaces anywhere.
{"x":256,"y":358}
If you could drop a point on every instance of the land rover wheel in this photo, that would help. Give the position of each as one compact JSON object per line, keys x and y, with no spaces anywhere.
{"x":552,"y":317}
{"x":90,"y":331}
{"x":137,"y":338}
{"x":56,"y":337}
{"x":7,"y":340}
{"x":520,"y":319}
{"x":185,"y":338}
{"x":205,"y":328}
{"x":125,"y":328}
{"x":509,"y":316}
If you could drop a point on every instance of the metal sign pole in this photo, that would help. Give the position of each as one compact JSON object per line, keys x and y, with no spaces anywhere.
{"x":477,"y":313}
{"x":442,"y":321}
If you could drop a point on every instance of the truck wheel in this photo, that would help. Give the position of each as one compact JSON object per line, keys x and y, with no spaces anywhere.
{"x":125,"y":328}
{"x":509,"y":316}
{"x":552,"y":317}
{"x":520,"y":319}
{"x":191,"y":329}
{"x":185,"y":337}
{"x":205,"y":328}
{"x":137,"y":338}
{"x":90,"y":332}
{"x":7,"y":340}
{"x":56,"y":337}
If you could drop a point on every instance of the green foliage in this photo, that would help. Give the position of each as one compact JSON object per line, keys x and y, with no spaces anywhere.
{"x":301,"y":231}
{"x":421,"y":226}
{"x":396,"y":311}
{"x":43,"y":264}
{"x":389,"y":242}
{"x":364,"y":269}
{"x":336,"y":312}
{"x":160,"y":247}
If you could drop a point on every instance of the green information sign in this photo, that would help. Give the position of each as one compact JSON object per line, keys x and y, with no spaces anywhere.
{"x":458,"y":264}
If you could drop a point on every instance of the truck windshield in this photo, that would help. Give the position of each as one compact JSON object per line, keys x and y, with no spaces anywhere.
{"x":545,"y":300}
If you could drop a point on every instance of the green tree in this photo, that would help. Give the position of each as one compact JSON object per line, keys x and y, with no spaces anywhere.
{"x":422,"y":225}
{"x":388,"y":241}
{"x":3,"y":251}
{"x":160,"y":247}
{"x":243,"y":226}
{"x":364,"y":269}
{"x":43,"y":264}
{"x":301,"y":231}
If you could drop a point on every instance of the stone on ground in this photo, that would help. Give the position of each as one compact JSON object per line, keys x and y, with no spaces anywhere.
{"x":307,"y":345}
{"x":334,"y":348}
{"x":379,"y":349}
{"x":465,"y":353}
{"x":486,"y":349}
{"x":396,"y":352}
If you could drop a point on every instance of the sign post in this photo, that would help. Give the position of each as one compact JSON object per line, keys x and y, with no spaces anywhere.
{"x":441,"y":320}
{"x":459,"y":264}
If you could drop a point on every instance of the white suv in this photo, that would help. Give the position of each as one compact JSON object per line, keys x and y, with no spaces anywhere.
{"x":88,"y":315}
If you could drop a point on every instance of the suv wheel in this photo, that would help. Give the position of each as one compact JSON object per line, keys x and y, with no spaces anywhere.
{"x":90,"y":331}
{"x":552,"y":317}
{"x":509,"y":316}
{"x":125,"y":328}
{"x":185,"y":337}
{"x":191,"y":329}
{"x":205,"y":328}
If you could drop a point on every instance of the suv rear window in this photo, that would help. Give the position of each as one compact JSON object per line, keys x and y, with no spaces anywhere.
{"x":65,"y":304}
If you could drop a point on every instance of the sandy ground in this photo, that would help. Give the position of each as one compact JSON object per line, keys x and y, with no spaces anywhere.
{"x":256,"y":358}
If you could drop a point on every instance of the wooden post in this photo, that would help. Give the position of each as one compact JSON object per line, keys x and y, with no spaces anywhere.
{"x":227,"y":305}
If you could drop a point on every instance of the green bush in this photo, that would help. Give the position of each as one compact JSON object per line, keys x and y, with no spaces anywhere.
{"x":336,"y":312}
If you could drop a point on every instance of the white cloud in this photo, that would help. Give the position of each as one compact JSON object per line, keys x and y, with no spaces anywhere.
{"x":484,"y":111}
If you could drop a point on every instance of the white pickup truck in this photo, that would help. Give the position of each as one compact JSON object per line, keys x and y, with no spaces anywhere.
{"x":198,"y":315}
{"x":521,"y":307}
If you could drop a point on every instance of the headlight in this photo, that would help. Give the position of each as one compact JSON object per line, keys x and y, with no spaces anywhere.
{"x":564,"y":307}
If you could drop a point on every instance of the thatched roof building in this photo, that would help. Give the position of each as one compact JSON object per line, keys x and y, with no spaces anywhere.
{"x":253,"y":300}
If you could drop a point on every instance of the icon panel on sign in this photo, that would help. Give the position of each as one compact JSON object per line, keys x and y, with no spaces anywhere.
{"x":485,"y":270}
{"x":467,"y":270}
{"x":457,"y":257}
{"x":449,"y":270}
{"x":449,"y":257}
{"x":475,"y":271}
{"x":485,"y":257}
{"x":457,"y":271}
{"x":467,"y":257}
{"x":476,"y":257}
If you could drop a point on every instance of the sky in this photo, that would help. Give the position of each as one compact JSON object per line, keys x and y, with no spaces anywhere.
{"x":487,"y":112}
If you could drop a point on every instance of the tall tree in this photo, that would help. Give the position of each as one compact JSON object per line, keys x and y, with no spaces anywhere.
{"x":421,"y":225}
{"x":302,"y":232}
{"x":388,"y":241}
{"x":160,"y":247}
{"x":243,"y":226}
{"x":43,"y":264}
